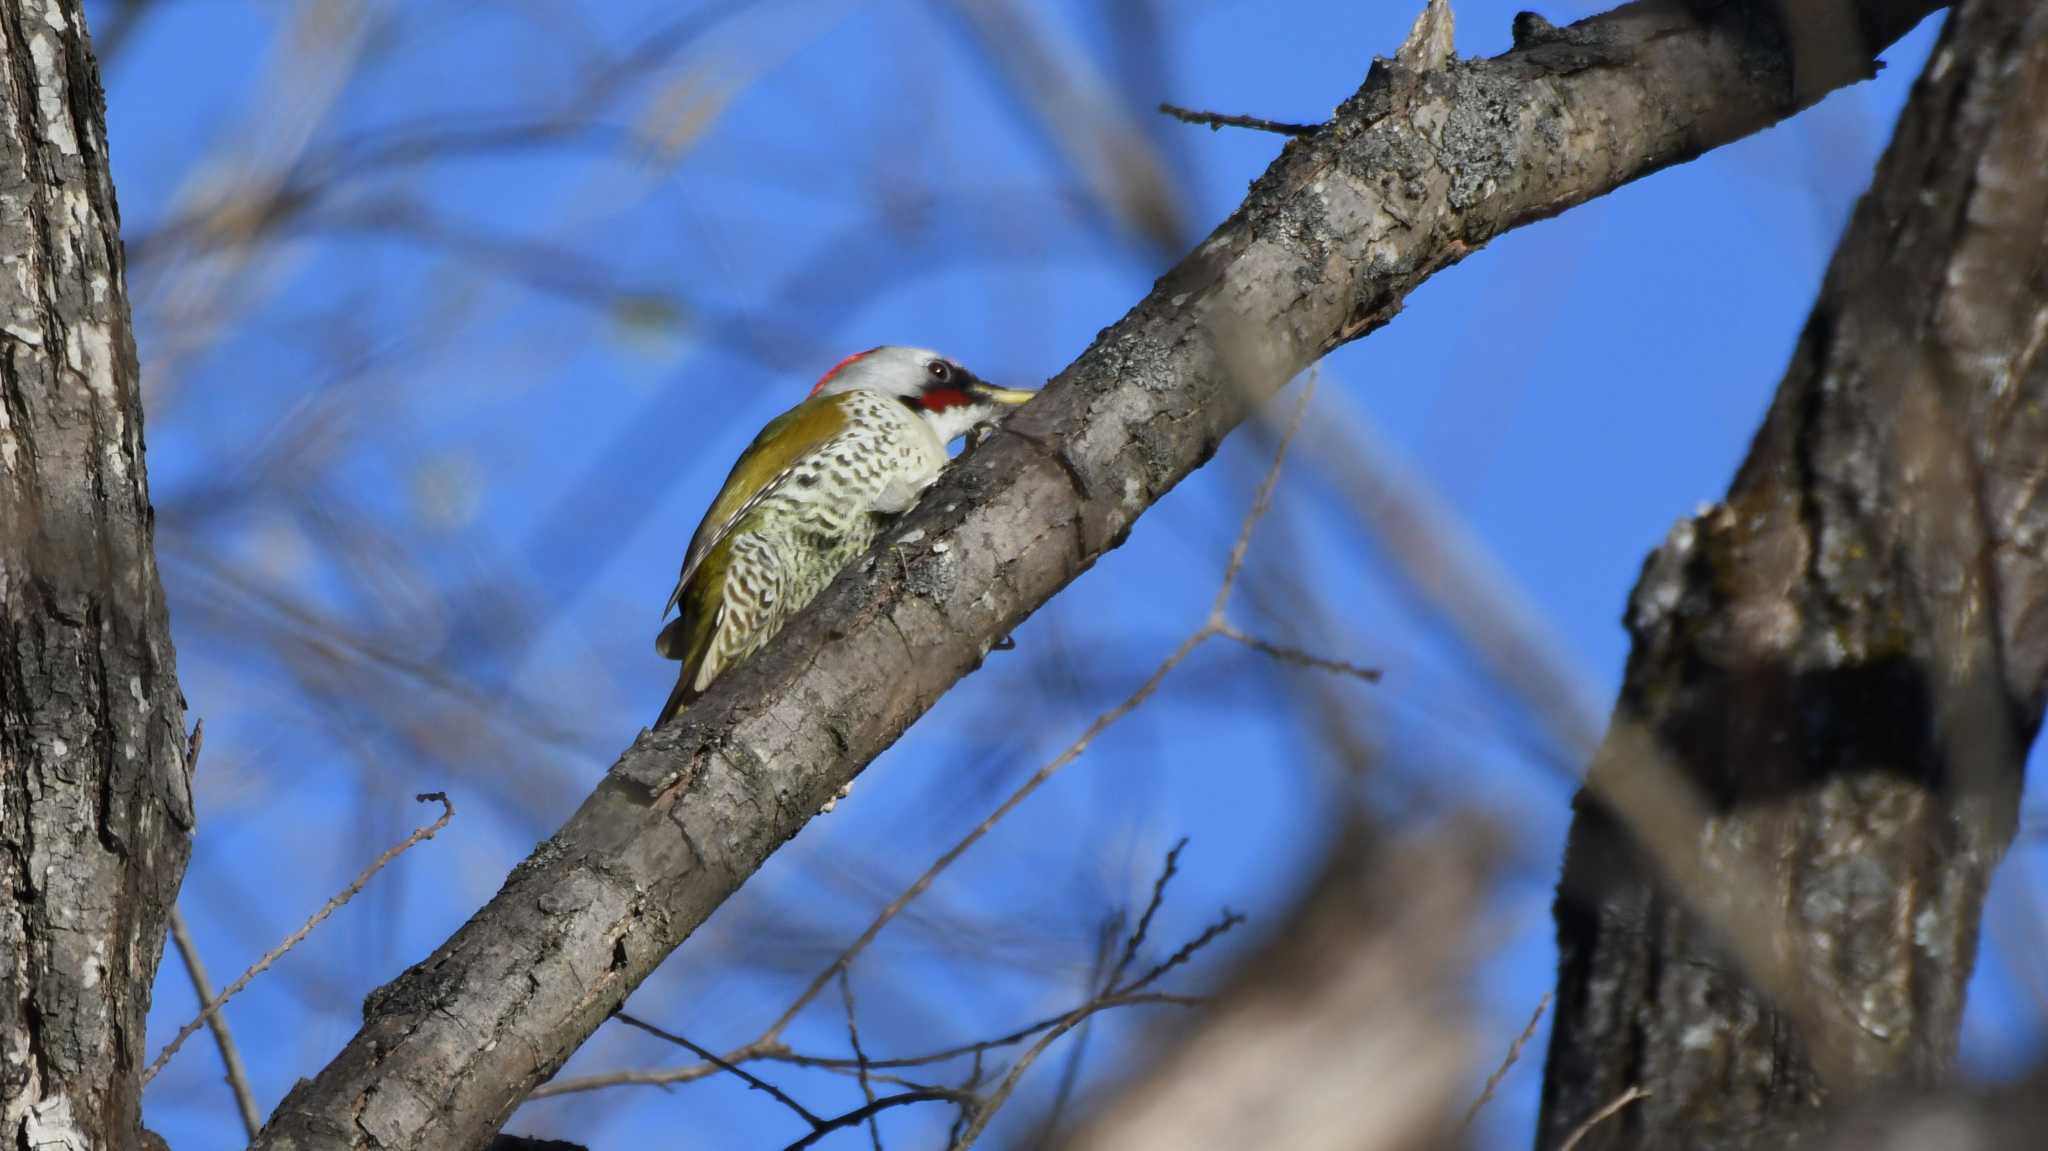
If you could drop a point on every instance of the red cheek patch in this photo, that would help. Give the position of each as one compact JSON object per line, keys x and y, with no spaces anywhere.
{"x":939,"y":399}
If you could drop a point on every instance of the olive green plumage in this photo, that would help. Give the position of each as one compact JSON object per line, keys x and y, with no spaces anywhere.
{"x":737,"y":512}
{"x":804,"y":500}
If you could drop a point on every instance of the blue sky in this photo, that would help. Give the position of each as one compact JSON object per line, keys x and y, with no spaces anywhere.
{"x":466,"y":413}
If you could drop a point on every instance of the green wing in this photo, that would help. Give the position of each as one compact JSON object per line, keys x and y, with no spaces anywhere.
{"x":767,"y":461}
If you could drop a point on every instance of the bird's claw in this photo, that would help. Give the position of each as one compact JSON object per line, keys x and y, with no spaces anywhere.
{"x":844,"y":790}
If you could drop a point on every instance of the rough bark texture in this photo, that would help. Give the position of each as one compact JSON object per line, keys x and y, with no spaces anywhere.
{"x":1428,"y":161}
{"x":95,"y":800}
{"x":1350,"y":1030}
{"x":1845,"y":660}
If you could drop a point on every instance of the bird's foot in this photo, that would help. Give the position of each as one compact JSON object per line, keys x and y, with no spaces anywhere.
{"x":844,"y":790}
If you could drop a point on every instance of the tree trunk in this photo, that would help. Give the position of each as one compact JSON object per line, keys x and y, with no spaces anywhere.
{"x":1774,"y":879}
{"x":95,"y":799}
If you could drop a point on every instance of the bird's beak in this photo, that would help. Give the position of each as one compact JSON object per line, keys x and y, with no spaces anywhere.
{"x":983,"y":390}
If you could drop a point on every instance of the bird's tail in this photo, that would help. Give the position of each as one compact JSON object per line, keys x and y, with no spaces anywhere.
{"x":678,"y":698}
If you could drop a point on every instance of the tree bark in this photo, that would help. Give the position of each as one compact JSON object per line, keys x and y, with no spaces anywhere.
{"x":95,"y":799}
{"x":1430,"y":159}
{"x":1842,"y":666}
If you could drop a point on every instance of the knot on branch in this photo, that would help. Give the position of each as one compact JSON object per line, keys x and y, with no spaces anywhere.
{"x":1531,"y":29}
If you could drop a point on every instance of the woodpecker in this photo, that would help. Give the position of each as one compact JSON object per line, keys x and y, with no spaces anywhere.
{"x":807,"y":496}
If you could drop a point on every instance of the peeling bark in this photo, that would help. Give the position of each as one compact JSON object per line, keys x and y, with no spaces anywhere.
{"x":95,"y":800}
{"x":1415,"y":171}
{"x":1846,"y":660}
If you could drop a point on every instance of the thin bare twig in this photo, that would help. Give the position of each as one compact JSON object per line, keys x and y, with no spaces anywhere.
{"x":776,"y":1053}
{"x":1215,"y":120}
{"x":867,"y":1087}
{"x":1122,"y":170}
{"x":985,"y":1110}
{"x":866,"y":1114}
{"x":1605,"y":1113}
{"x":1008,"y":1086}
{"x":1038,"y":779}
{"x":202,"y":987}
{"x":1455,"y":576}
{"x":980,"y":1047}
{"x":1209,"y":935}
{"x":1298,"y":657}
{"x":1262,"y":502}
{"x":299,"y":936}
{"x":974,"y":1076}
{"x":1137,"y":938}
{"x":1500,"y":1073}
{"x":820,"y":1126}
{"x":1070,"y":1072}
{"x":707,"y":1055}
{"x":639,"y":1077}
{"x":1102,"y":993}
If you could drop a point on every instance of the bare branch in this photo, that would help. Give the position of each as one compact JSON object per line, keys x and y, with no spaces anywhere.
{"x":202,"y":987}
{"x":867,"y":1088}
{"x":1210,"y":934}
{"x":975,"y":1110}
{"x":1364,"y":982}
{"x":1137,"y":938}
{"x":1104,"y":993}
{"x":1601,"y":1116}
{"x":984,"y":1109}
{"x":1297,"y":657}
{"x":875,"y":1107}
{"x":1451,"y":573}
{"x":230,"y":1055}
{"x":984,"y":1046}
{"x":1215,"y":120}
{"x":341,"y":898}
{"x":1507,"y":1064}
{"x":742,"y":1074}
{"x":667,"y":1077}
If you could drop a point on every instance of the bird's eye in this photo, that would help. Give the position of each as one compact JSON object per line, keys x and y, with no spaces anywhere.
{"x":941,"y":371}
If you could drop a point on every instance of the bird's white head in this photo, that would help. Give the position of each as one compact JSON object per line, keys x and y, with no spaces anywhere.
{"x":949,"y":397}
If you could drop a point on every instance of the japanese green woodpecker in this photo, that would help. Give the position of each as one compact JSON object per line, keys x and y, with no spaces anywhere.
{"x":806,"y":498}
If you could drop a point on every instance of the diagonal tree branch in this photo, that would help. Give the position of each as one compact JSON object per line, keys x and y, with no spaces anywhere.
{"x":1427,"y":162}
